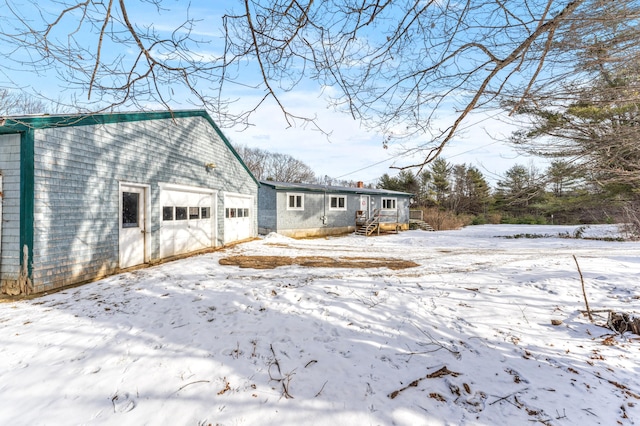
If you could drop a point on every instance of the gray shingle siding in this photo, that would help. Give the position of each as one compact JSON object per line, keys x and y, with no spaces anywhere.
{"x":317,"y":217}
{"x":310,"y":217}
{"x":267,"y":210}
{"x":10,"y":238}
{"x":77,"y":173}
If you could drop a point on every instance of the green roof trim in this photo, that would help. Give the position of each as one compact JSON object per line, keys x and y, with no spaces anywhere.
{"x":22,"y":124}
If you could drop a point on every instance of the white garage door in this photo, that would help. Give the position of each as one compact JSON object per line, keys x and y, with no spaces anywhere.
{"x":188,"y":219}
{"x":238,"y":217}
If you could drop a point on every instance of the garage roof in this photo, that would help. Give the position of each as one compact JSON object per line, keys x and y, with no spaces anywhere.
{"x":22,"y":124}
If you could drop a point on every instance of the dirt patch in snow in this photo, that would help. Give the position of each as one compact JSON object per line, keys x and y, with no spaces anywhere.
{"x":270,"y":262}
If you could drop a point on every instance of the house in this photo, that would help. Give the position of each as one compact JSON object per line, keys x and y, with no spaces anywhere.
{"x":83,"y":196}
{"x":304,"y":210}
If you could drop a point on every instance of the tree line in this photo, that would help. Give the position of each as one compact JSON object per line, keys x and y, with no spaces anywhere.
{"x":563,"y":193}
{"x":593,"y":177}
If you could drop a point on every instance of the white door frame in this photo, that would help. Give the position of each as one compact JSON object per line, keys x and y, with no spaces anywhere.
{"x":145,"y":225}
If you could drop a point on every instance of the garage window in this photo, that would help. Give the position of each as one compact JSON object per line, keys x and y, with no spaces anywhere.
{"x":232,"y":212}
{"x":167,"y":213}
{"x":181,"y":213}
{"x":205,"y":212}
{"x":194,"y":213}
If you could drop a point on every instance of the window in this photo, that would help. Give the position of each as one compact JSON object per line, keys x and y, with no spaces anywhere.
{"x":130,"y":206}
{"x":233,"y":212}
{"x":194,"y":213}
{"x":338,"y":203}
{"x":389,"y":203}
{"x":181,"y":213}
{"x":167,"y":213}
{"x":295,"y":202}
{"x":205,"y":212}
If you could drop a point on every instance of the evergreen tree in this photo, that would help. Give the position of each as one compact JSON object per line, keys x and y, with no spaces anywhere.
{"x":520,"y":189}
{"x":440,"y":175}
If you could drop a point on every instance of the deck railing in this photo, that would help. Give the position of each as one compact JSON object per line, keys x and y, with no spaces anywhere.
{"x":416,"y":214}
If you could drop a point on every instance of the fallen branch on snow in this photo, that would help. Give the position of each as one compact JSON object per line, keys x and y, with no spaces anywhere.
{"x":444,"y":371}
{"x":191,"y":383}
{"x":284,"y":379}
{"x":621,"y":323}
{"x":505,"y":398}
{"x":439,"y":345}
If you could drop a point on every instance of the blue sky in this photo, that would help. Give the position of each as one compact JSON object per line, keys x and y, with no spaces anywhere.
{"x":350,"y":152}
{"x":353,"y":153}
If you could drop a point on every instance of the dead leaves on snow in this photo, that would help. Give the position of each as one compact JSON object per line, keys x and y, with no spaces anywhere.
{"x":270,"y":262}
{"x":473,"y":402}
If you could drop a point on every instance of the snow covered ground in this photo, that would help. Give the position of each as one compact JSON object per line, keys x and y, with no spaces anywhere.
{"x":465,"y":338}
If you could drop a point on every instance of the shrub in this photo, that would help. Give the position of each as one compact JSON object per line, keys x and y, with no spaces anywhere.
{"x":494,"y":218}
{"x":479,"y":220}
{"x":483,"y":219}
{"x":442,"y":220}
{"x":524,"y":220}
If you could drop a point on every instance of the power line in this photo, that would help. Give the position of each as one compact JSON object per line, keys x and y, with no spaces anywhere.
{"x":367,"y":167}
{"x":407,"y":152}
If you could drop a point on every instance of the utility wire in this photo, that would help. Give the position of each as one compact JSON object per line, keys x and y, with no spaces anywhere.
{"x":409,"y":151}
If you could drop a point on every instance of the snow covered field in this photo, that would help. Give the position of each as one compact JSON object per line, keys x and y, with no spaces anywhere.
{"x":465,"y":338}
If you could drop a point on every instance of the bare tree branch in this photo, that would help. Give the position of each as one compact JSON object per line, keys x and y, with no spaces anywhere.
{"x":396,"y":66}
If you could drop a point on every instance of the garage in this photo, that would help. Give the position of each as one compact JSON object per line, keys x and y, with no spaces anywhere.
{"x":187,"y":219}
{"x":238,"y":214}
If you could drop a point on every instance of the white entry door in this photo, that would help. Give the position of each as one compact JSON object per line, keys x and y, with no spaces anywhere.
{"x":132,"y":225}
{"x":364,"y":205}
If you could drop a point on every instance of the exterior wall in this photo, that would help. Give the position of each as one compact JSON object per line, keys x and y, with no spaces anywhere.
{"x":77,"y":175}
{"x":267,"y":210}
{"x":317,"y":218}
{"x":402,"y":203}
{"x":309,"y":218}
{"x":10,"y":226}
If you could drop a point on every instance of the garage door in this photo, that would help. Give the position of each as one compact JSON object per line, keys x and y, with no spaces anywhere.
{"x":188,"y":219}
{"x":238,"y":217}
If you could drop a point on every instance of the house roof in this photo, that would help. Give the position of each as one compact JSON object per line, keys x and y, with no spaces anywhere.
{"x":309,"y":187}
{"x":23,"y":124}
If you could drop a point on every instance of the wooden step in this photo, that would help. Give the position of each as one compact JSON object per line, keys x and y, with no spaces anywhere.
{"x":422,"y":224}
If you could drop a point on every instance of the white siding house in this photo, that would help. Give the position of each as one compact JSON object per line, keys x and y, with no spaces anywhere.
{"x":87,"y":196}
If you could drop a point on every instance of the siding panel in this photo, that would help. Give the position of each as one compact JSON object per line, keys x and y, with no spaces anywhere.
{"x":10,"y":241}
{"x":77,"y":171}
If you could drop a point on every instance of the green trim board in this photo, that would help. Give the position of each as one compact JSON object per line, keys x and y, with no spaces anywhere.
{"x":21,"y":124}
{"x":27,"y":191}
